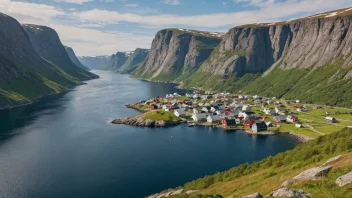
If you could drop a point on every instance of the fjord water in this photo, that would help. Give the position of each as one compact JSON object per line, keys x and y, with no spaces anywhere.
{"x":64,"y":145}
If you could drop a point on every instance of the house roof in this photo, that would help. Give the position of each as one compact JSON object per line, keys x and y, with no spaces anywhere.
{"x":260,"y":124}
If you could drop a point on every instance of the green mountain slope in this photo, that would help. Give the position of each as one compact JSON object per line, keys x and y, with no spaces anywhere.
{"x":24,"y":75}
{"x":115,"y":61}
{"x":269,"y":174}
{"x":74,"y":58}
{"x":134,"y":59}
{"x":47,"y":44}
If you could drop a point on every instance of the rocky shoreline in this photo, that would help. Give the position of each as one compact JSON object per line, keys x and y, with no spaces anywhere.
{"x":140,"y":122}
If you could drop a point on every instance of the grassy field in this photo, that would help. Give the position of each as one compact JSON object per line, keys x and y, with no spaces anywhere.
{"x":314,"y":118}
{"x":161,"y":115}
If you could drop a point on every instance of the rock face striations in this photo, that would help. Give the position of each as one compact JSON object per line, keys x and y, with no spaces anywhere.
{"x":176,"y":53}
{"x":134,"y":59}
{"x":24,"y":75}
{"x":47,"y":44}
{"x":299,"y":59}
{"x":74,"y":58}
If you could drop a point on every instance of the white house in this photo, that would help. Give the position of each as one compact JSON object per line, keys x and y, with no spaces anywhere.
{"x":205,"y":109}
{"x":246,"y":108}
{"x":166,"y":108}
{"x":243,"y":115}
{"x":213,"y":118}
{"x":179,"y":112}
{"x":268,"y":111}
{"x":199,"y":116}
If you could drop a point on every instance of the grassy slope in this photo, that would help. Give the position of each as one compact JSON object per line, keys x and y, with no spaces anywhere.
{"x":268,"y":174}
{"x":161,"y":115}
{"x":42,"y":78}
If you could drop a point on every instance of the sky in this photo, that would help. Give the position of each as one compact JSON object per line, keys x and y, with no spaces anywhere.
{"x":103,"y":27}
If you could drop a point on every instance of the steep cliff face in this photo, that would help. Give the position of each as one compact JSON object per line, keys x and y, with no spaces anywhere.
{"x":74,"y":58}
{"x":176,"y":53}
{"x":115,"y":61}
{"x":94,"y":62}
{"x":24,"y":75}
{"x":304,"y":43}
{"x":291,"y":55}
{"x":47,"y":44}
{"x":134,"y":59}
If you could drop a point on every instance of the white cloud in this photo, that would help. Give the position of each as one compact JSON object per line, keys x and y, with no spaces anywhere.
{"x":132,"y":5}
{"x":73,"y":1}
{"x":94,"y":42}
{"x":268,"y":12}
{"x":171,"y":2}
{"x":29,"y":11}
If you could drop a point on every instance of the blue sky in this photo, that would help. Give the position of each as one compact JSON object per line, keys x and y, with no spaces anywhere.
{"x":103,"y":27}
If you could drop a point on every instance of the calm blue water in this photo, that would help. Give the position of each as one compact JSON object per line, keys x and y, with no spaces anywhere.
{"x":65,"y":147}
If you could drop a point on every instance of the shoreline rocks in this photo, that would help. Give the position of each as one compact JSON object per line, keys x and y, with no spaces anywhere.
{"x":140,"y":122}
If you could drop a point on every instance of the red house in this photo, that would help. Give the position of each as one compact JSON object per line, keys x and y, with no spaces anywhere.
{"x":153,"y":107}
{"x":226,"y":122}
{"x":248,"y":123}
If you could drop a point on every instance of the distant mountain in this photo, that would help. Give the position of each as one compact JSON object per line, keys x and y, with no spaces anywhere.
{"x":177,"y":53}
{"x":116,"y":61}
{"x":94,"y":62}
{"x":47,"y":44}
{"x":74,"y":58}
{"x":24,"y":75}
{"x":134,"y":59}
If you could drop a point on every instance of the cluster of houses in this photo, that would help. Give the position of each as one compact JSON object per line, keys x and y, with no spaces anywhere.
{"x":226,"y":109}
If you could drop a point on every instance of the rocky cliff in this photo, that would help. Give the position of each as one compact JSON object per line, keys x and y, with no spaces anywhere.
{"x":94,"y":62}
{"x":24,"y":75}
{"x":47,"y":44}
{"x":134,"y":59}
{"x":115,"y":61}
{"x":294,"y":56}
{"x":176,"y":53}
{"x":74,"y":58}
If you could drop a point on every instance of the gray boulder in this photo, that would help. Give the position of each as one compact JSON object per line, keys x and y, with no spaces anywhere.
{"x":255,"y":195}
{"x":344,"y":179}
{"x":285,"y":192}
{"x":313,"y":173}
{"x":287,"y":183}
{"x":191,"y":191}
{"x":177,"y":192}
{"x":332,"y":160}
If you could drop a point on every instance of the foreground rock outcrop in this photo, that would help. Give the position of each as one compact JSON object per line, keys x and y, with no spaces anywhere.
{"x":313,"y":173}
{"x":286,"y":192}
{"x":344,"y":179}
{"x":255,"y":195}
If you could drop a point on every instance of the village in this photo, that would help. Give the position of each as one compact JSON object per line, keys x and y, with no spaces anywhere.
{"x":253,"y":114}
